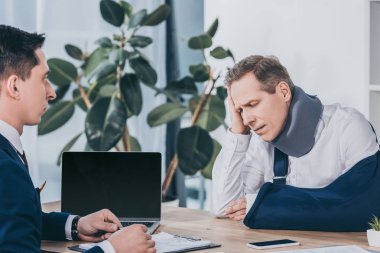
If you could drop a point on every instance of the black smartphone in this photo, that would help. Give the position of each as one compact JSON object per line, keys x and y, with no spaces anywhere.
{"x":272,"y":244}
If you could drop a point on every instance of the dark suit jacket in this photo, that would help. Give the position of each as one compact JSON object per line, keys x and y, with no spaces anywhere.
{"x":22,"y":223}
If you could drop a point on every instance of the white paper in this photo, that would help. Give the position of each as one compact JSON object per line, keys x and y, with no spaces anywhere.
{"x":334,"y":249}
{"x":165,"y":243}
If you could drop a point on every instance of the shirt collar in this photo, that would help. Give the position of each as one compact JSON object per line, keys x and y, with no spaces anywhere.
{"x":12,"y":135}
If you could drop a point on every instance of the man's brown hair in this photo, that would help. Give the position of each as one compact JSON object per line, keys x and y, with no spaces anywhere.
{"x":268,"y":71}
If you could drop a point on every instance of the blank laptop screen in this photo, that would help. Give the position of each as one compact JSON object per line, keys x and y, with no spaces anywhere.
{"x":127,"y":183}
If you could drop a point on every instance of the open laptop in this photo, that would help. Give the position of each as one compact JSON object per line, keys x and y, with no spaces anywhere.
{"x":127,"y":183}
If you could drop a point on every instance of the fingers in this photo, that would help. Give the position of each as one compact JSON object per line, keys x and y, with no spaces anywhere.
{"x":237,"y":209}
{"x":110,"y":217}
{"x":105,"y":226}
{"x":151,"y":244}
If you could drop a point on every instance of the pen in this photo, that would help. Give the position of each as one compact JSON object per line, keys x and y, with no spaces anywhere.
{"x":41,"y":187}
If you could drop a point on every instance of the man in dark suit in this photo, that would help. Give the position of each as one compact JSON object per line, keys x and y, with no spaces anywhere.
{"x":24,"y":95}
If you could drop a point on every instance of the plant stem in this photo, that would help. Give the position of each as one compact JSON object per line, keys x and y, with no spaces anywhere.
{"x":126,"y":141}
{"x":198,"y":111}
{"x":83,"y":93}
{"x":169,"y":176}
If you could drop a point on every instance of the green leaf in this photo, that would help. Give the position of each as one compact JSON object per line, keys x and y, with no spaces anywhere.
{"x":230,"y":54}
{"x":143,"y":70}
{"x":213,"y":113}
{"x":60,"y":92}
{"x":56,"y":116}
{"x":184,"y":86}
{"x":96,"y":57}
{"x":137,"y":18}
{"x":165,"y":113}
{"x":213,"y":28}
{"x":102,"y":70}
{"x":112,"y":12}
{"x":104,"y":42}
{"x":135,"y":145}
{"x":131,"y":90}
{"x":74,"y":52}
{"x":219,"y":53}
{"x":106,"y":91}
{"x":62,"y":72}
{"x":200,"y":72}
{"x":221,"y":92}
{"x":200,"y":42}
{"x":67,"y":147}
{"x":105,"y":123}
{"x":207,"y":171}
{"x":127,"y":7}
{"x":118,"y":56}
{"x":157,"y":16}
{"x":140,"y":41}
{"x":194,"y":149}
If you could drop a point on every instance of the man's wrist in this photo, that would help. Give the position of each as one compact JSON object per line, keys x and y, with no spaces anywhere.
{"x":74,"y":229}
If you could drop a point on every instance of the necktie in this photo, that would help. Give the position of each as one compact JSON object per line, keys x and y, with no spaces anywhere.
{"x":23,"y":158}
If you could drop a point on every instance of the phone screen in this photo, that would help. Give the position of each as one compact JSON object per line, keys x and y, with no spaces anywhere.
{"x":275,"y":242}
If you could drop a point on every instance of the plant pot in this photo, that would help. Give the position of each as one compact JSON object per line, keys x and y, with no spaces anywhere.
{"x":373,"y":238}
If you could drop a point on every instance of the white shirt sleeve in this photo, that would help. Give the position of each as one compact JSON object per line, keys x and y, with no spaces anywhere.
{"x":107,"y":247}
{"x":234,"y":167}
{"x":358,"y":140}
{"x":68,"y":223}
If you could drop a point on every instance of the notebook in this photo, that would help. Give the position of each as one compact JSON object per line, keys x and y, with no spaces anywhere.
{"x":127,"y":183}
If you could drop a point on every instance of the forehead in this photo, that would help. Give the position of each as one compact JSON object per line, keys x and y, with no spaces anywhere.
{"x":41,"y":68}
{"x":246,"y":89}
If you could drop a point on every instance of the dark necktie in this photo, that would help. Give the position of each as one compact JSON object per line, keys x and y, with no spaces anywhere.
{"x":23,"y":157}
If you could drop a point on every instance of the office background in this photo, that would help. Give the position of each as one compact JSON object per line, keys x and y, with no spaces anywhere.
{"x":324,"y":44}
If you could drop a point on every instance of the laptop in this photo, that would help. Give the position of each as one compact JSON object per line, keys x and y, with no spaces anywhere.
{"x":127,"y":183}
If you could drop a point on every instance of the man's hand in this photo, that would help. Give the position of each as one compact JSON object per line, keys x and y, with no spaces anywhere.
{"x":132,"y":239}
{"x":236,"y":209}
{"x":237,"y":125}
{"x":98,"y":226}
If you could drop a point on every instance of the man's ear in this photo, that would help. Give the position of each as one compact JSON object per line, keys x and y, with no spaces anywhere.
{"x":12,"y":85}
{"x":285,"y":91}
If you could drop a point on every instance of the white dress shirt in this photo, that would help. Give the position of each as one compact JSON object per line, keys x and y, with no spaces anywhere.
{"x":12,"y":135}
{"x":343,"y":137}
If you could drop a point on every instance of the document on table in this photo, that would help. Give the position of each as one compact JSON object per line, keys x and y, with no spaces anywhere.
{"x":333,"y":249}
{"x":166,"y":243}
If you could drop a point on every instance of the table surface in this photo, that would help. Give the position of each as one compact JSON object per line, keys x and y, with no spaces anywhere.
{"x":232,"y":235}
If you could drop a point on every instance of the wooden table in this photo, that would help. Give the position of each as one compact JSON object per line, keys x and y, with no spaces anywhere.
{"x":232,"y":235}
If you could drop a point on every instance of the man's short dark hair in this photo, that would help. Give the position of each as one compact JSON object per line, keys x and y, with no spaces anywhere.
{"x":268,"y":71}
{"x":17,"y":51}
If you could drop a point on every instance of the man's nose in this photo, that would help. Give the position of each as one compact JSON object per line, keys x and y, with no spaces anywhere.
{"x":247,"y":119}
{"x":50,"y":93}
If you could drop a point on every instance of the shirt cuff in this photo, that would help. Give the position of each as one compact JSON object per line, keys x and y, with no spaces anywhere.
{"x":68,"y":225}
{"x":240,"y":142}
{"x":106,"y":246}
{"x":250,"y":198}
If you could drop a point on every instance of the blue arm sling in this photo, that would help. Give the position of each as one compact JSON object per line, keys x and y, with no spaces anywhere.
{"x":347,"y":204}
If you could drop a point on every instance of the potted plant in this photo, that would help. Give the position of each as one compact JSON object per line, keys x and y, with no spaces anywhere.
{"x":107,"y":81}
{"x":373,"y":234}
{"x":196,"y":150}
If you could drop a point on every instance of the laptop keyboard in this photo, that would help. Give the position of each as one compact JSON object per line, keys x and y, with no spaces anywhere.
{"x":128,"y":223}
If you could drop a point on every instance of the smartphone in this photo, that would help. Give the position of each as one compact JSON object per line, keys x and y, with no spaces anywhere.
{"x":272,"y":244}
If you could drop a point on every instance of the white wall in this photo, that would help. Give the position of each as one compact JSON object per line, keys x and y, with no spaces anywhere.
{"x":323,"y":43}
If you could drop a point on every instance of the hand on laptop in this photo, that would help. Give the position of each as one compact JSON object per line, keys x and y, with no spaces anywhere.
{"x":98,"y":226}
{"x":236,"y":210}
{"x":132,"y":239}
